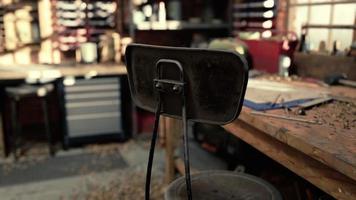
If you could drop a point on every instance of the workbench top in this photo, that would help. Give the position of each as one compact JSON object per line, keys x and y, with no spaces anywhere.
{"x":331,"y":141}
{"x":14,"y":72}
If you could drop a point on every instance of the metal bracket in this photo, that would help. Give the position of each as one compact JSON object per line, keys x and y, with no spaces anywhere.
{"x":176,"y":87}
{"x":168,"y":85}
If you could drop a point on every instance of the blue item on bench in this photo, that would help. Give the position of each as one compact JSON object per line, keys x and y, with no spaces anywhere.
{"x":271,"y":106}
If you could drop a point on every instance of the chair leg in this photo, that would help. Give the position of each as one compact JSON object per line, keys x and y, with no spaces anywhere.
{"x":15,"y":128}
{"x":47,"y":126}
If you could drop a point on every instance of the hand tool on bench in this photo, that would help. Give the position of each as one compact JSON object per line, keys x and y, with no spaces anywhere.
{"x":285,"y":117}
{"x":339,"y":79}
{"x":309,"y":104}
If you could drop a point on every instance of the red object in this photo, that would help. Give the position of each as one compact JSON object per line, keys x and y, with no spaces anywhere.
{"x":266,"y":53}
{"x":145,"y":121}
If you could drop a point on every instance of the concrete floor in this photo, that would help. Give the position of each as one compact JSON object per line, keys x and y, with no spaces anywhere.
{"x":89,"y":185}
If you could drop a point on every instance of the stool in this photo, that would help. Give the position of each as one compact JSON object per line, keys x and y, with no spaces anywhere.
{"x":16,"y":94}
{"x":216,"y":184}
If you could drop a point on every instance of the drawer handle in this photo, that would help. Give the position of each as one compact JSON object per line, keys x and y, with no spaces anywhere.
{"x":94,"y":116}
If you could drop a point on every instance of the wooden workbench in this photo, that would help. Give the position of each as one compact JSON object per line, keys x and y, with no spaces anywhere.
{"x":25,"y":72}
{"x":323,"y":154}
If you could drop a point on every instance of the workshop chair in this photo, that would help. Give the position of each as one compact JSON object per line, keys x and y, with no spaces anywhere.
{"x":199,"y":85}
{"x":16,"y":95}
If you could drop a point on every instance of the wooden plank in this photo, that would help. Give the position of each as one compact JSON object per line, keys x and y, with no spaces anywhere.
{"x":2,"y":144}
{"x":46,"y":31}
{"x":334,"y":147}
{"x":310,"y":3}
{"x":323,"y":26}
{"x":322,"y":176}
{"x":320,"y":66}
{"x":172,"y":134}
{"x":169,"y":148}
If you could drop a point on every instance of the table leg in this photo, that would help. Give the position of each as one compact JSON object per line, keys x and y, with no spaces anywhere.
{"x":172,"y":132}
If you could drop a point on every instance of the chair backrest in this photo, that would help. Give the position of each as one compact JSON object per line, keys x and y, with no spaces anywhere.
{"x":214,"y":81}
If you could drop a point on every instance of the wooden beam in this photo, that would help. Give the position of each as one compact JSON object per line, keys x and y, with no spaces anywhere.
{"x":329,"y":26}
{"x":321,"y":66}
{"x":320,"y":175}
{"x":323,"y":3}
{"x":354,"y":34}
{"x":172,"y":133}
{"x":45,"y":15}
{"x":2,"y":143}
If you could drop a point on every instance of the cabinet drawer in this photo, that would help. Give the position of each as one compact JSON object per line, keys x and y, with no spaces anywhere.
{"x":75,"y":97}
{"x":92,"y":88}
{"x":97,"y":81}
{"x":80,"y":110}
{"x":81,"y":125}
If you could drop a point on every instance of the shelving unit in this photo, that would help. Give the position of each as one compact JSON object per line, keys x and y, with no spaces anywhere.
{"x":194,"y":17}
{"x":262,"y":16}
{"x":78,"y":21}
{"x":179,"y":25}
{"x":2,"y":30}
{"x":64,"y":24}
{"x":19,"y":25}
{"x":61,"y":26}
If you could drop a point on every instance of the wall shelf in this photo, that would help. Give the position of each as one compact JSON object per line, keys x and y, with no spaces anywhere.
{"x":179,"y":25}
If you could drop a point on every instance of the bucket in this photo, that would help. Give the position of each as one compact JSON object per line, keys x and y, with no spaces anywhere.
{"x":223,"y":185}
